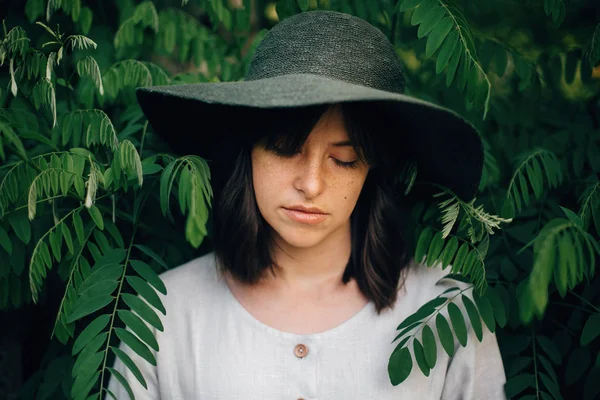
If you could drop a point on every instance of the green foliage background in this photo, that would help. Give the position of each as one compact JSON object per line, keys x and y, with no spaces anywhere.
{"x":86,"y":226}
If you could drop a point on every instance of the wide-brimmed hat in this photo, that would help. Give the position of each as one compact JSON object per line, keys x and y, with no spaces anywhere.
{"x":315,"y":58}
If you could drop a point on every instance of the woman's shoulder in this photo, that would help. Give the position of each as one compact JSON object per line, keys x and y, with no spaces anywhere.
{"x":192,"y":279}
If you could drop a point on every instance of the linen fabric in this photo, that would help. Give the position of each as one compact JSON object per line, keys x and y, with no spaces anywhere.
{"x":213,"y":348}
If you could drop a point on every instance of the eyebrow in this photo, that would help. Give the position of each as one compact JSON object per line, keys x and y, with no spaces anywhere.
{"x":343,"y":143}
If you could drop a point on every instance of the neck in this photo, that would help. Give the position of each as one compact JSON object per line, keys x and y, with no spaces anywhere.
{"x":318,"y":268}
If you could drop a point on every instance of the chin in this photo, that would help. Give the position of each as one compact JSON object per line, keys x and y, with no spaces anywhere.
{"x":301,"y":240}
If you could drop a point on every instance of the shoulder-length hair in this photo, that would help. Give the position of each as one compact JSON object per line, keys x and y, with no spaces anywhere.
{"x":242,"y":238}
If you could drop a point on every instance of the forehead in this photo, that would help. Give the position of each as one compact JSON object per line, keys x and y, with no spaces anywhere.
{"x":330,"y":126}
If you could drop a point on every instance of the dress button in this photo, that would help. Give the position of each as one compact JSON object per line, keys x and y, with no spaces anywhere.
{"x":300,"y":351}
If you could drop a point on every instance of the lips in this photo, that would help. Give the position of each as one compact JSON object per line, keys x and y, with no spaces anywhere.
{"x":305,"y":215}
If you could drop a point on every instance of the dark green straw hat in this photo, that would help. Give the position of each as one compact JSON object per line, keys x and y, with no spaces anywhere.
{"x":313,"y":58}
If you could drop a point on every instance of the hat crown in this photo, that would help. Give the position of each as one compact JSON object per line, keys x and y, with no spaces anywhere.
{"x":331,"y":44}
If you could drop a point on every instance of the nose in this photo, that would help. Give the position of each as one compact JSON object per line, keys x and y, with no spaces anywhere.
{"x":309,"y":178}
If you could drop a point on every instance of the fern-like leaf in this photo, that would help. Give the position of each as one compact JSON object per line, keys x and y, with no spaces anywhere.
{"x":88,"y":67}
{"x":532,"y":168}
{"x":566,"y":260}
{"x":16,"y":43}
{"x":126,"y":73}
{"x":94,"y":124}
{"x":129,"y":161}
{"x":41,"y":258}
{"x":466,"y":259}
{"x":491,"y":170}
{"x":450,"y":210}
{"x":92,"y":183}
{"x":130,"y":32}
{"x":590,"y":205}
{"x":556,"y":9}
{"x":80,"y":42}
{"x":52,"y":6}
{"x":484,"y":221}
{"x":446,"y":29}
{"x":195,"y":194}
{"x":440,"y":310}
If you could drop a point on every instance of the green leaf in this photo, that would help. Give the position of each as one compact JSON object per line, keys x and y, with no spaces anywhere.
{"x":128,"y":362}
{"x":152,"y":254}
{"x":90,"y":306}
{"x":407,"y":5}
{"x":78,"y":225}
{"x":399,"y":366}
{"x":486,"y":310}
{"x":68,"y":239}
{"x":550,"y":349}
{"x":303,"y":4}
{"x":458,"y":323}
{"x":437,"y":35}
{"x":143,"y":310}
{"x":136,"y":345}
{"x":445,"y":334}
{"x":473,"y":316}
{"x":446,"y":51}
{"x":431,"y":19}
{"x":517,"y":384}
{"x":455,"y":59}
{"x":142,"y":287}
{"x":460,"y":257}
{"x":88,"y":351}
{"x":405,"y":330}
{"x":20,"y":225}
{"x":435,"y":248}
{"x":449,"y":251}
{"x":90,"y":332}
{"x":5,"y":240}
{"x":103,"y":287}
{"x":134,"y":323}
{"x":55,"y":243}
{"x":96,"y":216}
{"x":562,"y":267}
{"x":470,"y":261}
{"x":429,"y":346}
{"x":100,"y":272}
{"x":572,"y":217}
{"x":591,"y":329}
{"x":422,"y":11}
{"x":123,"y":381}
{"x":114,"y":232}
{"x":423,"y":244}
{"x":497,"y":305}
{"x":146,"y":272}
{"x":579,"y":361}
{"x":84,"y":383}
{"x":420,"y":357}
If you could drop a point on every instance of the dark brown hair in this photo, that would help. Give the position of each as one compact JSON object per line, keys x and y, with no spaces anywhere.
{"x":242,"y":240}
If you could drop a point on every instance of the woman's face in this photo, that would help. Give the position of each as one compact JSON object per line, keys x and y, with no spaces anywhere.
{"x":307,"y":198}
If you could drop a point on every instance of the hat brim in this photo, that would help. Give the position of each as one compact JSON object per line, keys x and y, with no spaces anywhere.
{"x":193,"y":118}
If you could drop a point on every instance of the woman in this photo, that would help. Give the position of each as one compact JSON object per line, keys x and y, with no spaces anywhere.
{"x":310,"y":274}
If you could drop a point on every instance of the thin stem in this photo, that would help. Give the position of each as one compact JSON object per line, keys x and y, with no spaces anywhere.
{"x":565,"y":304}
{"x":112,"y":317}
{"x":535,"y":369}
{"x":585,"y":301}
{"x":143,"y":137}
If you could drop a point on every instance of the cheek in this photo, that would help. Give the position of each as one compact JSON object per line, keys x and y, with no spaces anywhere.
{"x":348,"y":192}
{"x":265,"y":179}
